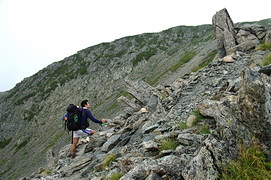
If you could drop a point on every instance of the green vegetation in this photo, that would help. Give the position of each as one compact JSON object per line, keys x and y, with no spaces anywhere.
{"x":164,"y":95}
{"x":25,"y":98}
{"x":204,"y":129}
{"x":209,"y":58}
{"x":264,"y":46}
{"x":30,"y":114}
{"x":267,"y":60}
{"x":4,"y":143}
{"x":108,"y":159}
{"x":186,"y":58}
{"x":21,"y":145}
{"x":251,"y":164}
{"x":182,"y":125}
{"x":116,"y":55}
{"x":125,"y":94}
{"x":169,"y":144}
{"x":54,"y":141}
{"x":3,"y":162}
{"x":153,"y":80}
{"x":199,"y":117}
{"x":116,"y":176}
{"x":145,"y":55}
{"x":47,"y":171}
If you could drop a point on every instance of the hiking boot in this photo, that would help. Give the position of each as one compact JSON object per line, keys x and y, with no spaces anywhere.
{"x":73,"y":155}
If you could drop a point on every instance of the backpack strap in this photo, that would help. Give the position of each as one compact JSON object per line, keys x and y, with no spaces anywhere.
{"x":65,"y":126}
{"x":72,"y":137}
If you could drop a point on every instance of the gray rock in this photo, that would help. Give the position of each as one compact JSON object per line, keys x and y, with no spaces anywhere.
{"x":148,"y":129}
{"x":201,"y":166}
{"x":140,"y":90}
{"x":190,"y":139}
{"x":78,"y":164}
{"x":153,"y":176}
{"x":267,"y":38}
{"x":51,"y":159}
{"x":111,"y":142}
{"x":254,"y":104}
{"x":224,"y":32}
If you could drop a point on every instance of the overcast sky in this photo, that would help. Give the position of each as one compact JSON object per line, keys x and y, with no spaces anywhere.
{"x":36,"y":33}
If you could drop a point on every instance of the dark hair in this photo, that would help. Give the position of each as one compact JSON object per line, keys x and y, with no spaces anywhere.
{"x":83,"y":103}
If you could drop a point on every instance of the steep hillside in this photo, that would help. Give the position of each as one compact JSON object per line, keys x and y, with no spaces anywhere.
{"x":191,"y":128}
{"x":97,"y":73}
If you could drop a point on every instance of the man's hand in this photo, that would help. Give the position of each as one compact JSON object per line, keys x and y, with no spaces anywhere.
{"x":104,"y":121}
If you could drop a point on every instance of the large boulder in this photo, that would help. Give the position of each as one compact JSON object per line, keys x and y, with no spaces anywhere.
{"x":254,"y":104}
{"x":224,"y":32}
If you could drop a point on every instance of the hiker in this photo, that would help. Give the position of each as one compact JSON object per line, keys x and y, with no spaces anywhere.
{"x":86,"y":114}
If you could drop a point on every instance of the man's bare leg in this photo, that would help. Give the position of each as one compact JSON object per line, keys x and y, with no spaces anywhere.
{"x":73,"y":147}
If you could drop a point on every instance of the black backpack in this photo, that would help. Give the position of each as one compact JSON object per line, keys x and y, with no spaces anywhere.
{"x":74,"y":120}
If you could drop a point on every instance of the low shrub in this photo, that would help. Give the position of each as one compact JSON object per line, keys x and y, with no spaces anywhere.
{"x":115,"y":176}
{"x":183,"y":125}
{"x":204,"y":129}
{"x":251,"y":164}
{"x":264,"y":46}
{"x":108,"y":159}
{"x":4,"y":143}
{"x":207,"y":60}
{"x":198,"y":117}
{"x":267,"y":60}
{"x":169,"y":144}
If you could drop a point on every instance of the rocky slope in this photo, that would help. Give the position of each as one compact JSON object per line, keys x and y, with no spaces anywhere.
{"x":133,"y":137}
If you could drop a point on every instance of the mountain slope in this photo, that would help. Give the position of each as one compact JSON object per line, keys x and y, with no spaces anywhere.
{"x":97,"y":73}
{"x":36,"y":104}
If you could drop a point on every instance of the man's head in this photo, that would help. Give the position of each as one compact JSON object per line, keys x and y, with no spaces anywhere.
{"x":85,"y":103}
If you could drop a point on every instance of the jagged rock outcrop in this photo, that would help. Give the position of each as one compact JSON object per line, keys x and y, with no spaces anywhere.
{"x":224,"y":32}
{"x":231,"y":39}
{"x":267,"y":38}
{"x":254,"y":105}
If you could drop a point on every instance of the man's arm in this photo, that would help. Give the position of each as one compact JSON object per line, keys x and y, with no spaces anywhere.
{"x":91,"y":117}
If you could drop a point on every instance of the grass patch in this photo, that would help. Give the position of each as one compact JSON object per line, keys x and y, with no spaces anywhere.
{"x":21,"y":145}
{"x":108,"y":159}
{"x":25,"y":98}
{"x":3,"y":162}
{"x":153,"y":80}
{"x":116,"y":176}
{"x":145,"y":55}
{"x":251,"y":164}
{"x":169,"y":144}
{"x":199,"y":117}
{"x":125,"y":94}
{"x":267,"y":60}
{"x":182,"y":125}
{"x":47,"y":171}
{"x":209,"y":58}
{"x":186,"y":58}
{"x":4,"y":143}
{"x":264,"y":46}
{"x":204,"y":129}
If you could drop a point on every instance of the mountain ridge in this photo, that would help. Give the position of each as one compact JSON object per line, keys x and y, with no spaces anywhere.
{"x":47,"y":93}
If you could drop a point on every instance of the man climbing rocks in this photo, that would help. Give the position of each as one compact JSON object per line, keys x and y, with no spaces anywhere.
{"x":86,"y":114}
